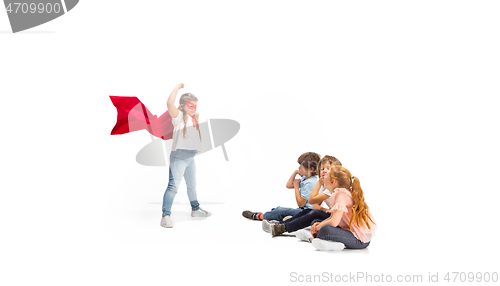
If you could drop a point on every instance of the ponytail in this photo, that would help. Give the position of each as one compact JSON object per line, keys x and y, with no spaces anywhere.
{"x":185,"y":116}
{"x":360,"y":214}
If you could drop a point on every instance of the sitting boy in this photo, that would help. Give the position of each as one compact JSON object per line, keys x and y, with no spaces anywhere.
{"x":308,"y":165}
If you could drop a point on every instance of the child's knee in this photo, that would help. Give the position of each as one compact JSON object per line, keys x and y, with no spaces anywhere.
{"x":328,"y":232}
{"x":315,"y":221}
{"x":172,"y":189}
{"x":268,"y":216}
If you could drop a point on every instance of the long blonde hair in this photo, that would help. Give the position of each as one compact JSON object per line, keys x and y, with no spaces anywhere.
{"x":186,"y":97}
{"x":360,"y":213}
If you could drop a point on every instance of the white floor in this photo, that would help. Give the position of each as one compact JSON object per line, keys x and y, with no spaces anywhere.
{"x":228,"y":248}
{"x":116,"y":239}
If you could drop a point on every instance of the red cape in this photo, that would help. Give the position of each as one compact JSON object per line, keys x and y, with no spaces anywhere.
{"x":133,"y":116}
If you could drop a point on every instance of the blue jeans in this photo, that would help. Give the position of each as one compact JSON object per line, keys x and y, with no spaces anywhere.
{"x":339,"y":234}
{"x":304,"y":219}
{"x":279,"y":213}
{"x":181,"y":164}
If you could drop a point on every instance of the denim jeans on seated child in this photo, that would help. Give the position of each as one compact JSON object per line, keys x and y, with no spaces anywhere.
{"x":339,"y":234}
{"x":304,"y":219}
{"x":279,"y":213}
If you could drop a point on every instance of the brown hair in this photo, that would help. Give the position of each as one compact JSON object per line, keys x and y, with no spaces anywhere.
{"x":186,"y":97}
{"x":360,"y":214}
{"x":309,"y":160}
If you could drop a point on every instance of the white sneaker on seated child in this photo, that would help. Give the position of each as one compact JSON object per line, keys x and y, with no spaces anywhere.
{"x":304,"y":235}
{"x":327,"y":245}
{"x":267,"y":225}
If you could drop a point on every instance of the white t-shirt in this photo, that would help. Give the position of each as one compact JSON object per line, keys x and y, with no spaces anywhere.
{"x":192,"y":140}
{"x":326,"y":203}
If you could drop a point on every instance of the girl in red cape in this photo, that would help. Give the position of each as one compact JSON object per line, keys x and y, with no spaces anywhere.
{"x":186,"y":143}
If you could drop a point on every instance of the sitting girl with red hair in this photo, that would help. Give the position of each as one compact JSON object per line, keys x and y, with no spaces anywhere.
{"x":351,"y":224}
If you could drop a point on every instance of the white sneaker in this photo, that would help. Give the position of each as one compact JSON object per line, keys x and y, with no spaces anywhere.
{"x":304,"y":235}
{"x":327,"y":245}
{"x":166,"y":221}
{"x":200,"y":213}
{"x":267,"y":225}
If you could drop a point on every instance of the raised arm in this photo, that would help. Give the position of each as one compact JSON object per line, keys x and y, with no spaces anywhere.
{"x":172,"y":110}
{"x":314,"y":198}
{"x":300,"y":200}
{"x":289,"y":184}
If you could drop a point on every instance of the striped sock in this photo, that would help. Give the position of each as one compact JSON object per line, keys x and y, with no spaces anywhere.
{"x":253,"y":215}
{"x":257,"y":216}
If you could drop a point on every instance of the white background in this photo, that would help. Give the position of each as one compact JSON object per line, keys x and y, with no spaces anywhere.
{"x":404,"y":93}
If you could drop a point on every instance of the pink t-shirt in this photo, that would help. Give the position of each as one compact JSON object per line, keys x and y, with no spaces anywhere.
{"x":342,"y":200}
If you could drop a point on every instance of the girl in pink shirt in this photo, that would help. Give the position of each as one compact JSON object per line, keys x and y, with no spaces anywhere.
{"x":351,"y":224}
